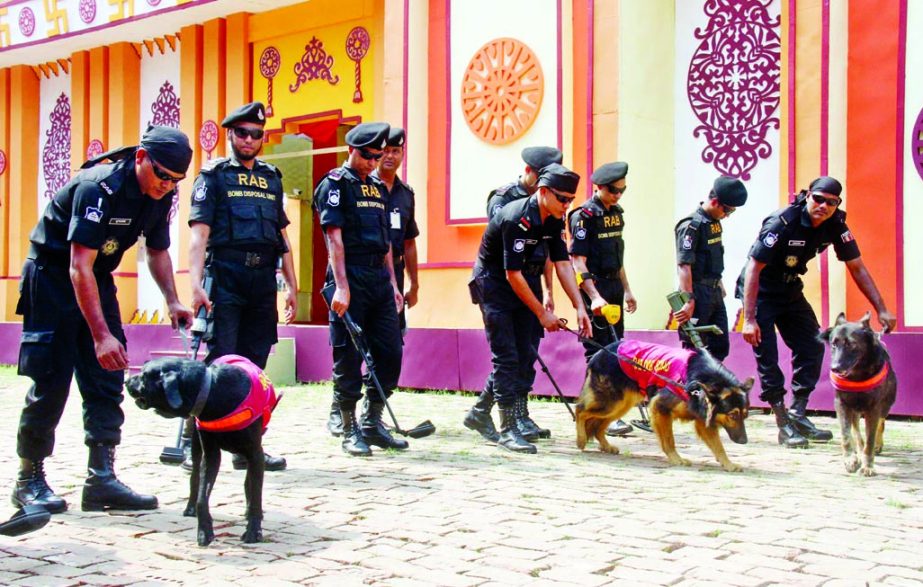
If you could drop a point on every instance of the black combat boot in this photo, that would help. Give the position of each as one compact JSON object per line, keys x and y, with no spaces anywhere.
{"x":335,"y":421}
{"x":353,"y":442}
{"x":788,"y":435}
{"x":103,"y":491}
{"x":374,"y":431}
{"x":801,"y":423}
{"x":32,"y":489}
{"x":527,"y":426}
{"x":478,"y":417}
{"x":510,"y":437}
{"x":271,"y":463}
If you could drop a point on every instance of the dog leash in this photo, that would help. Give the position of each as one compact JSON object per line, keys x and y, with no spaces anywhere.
{"x":630,"y":361}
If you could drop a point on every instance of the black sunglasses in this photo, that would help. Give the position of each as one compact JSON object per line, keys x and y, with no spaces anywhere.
{"x":728,"y":210}
{"x":562,"y":198}
{"x":162,"y":174}
{"x":832,"y":201}
{"x":254,"y":133}
{"x":369,"y":156}
{"x":616,"y":190}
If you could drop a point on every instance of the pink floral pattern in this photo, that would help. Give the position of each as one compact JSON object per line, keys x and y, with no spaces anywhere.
{"x":26,"y":22}
{"x":314,"y":64}
{"x":87,"y":9}
{"x":56,"y":154}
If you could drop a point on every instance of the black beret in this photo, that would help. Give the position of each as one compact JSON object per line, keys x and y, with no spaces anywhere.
{"x":168,"y":147}
{"x":609,"y":172}
{"x":253,"y":112}
{"x":560,"y":178}
{"x":396,"y":137}
{"x":538,"y":158}
{"x":826,"y":184}
{"x":730,"y":191}
{"x":373,"y":135}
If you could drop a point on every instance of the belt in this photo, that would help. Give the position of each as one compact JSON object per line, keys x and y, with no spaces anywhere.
{"x":372,"y":260}
{"x":611,"y":274}
{"x":709,"y":281}
{"x":251,"y":259}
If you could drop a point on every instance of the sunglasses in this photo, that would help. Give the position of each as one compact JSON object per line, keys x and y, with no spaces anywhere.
{"x":832,"y":201}
{"x":369,"y":156}
{"x":562,"y":198}
{"x":242,"y":133}
{"x":162,"y":173}
{"x":616,"y":190}
{"x":728,"y":210}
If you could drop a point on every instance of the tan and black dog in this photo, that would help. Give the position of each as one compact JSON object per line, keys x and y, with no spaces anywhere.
{"x":232,"y":401}
{"x":866,"y":387}
{"x":709,"y":395}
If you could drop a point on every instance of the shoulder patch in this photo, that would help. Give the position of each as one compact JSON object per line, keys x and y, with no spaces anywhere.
{"x":587,"y":212}
{"x":770,"y":239}
{"x":336,"y":173}
{"x":333,"y":197}
{"x":213,"y":164}
{"x":199,"y":194}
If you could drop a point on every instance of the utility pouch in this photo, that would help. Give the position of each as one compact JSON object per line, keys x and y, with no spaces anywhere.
{"x":477,"y":293}
{"x":36,"y":355}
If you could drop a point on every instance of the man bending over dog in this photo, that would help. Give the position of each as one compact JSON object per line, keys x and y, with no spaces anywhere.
{"x":510,"y":305}
{"x":771,"y":289}
{"x":71,"y":320}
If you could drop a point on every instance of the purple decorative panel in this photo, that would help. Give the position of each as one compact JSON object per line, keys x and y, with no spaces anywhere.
{"x":87,"y":9}
{"x":56,"y":154}
{"x":916,"y":144}
{"x":357,"y":45}
{"x":26,"y":22}
{"x":314,"y":64}
{"x":95,"y":148}
{"x":2,"y":162}
{"x":733,"y":84}
{"x":166,"y":107}
{"x":270,"y":62}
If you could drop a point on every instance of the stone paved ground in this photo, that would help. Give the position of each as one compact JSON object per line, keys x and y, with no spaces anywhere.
{"x":456,"y":511}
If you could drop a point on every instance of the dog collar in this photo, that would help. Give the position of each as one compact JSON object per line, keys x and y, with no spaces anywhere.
{"x":841,"y":383}
{"x":203,"y":394}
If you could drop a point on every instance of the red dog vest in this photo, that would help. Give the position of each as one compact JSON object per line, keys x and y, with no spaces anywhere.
{"x":642,"y":362}
{"x":261,"y":400}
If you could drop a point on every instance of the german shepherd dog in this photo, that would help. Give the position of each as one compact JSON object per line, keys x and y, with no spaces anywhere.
{"x":866,"y":386}
{"x":178,"y":388}
{"x":711,"y":396}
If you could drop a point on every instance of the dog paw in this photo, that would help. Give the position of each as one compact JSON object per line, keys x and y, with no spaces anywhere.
{"x":852,"y":464}
{"x":732,"y":467}
{"x":678,"y":460}
{"x":189,"y":512}
{"x":867,"y":471}
{"x":612,"y":450}
{"x":252,"y":536}
{"x":206,"y":537}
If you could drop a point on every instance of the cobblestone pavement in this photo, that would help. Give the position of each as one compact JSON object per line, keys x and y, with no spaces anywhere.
{"x":456,"y":511}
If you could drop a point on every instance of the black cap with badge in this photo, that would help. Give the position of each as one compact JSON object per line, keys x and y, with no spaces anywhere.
{"x":730,"y":191}
{"x":396,"y":137}
{"x":609,"y":173}
{"x":253,"y":112}
{"x":558,"y":177}
{"x":368,"y":135}
{"x":538,"y":158}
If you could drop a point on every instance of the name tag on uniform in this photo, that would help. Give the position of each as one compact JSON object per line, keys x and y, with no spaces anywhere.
{"x":395,"y":220}
{"x":120,"y":221}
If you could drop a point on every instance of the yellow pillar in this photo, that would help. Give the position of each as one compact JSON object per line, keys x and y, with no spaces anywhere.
{"x":99,"y":96}
{"x":214,"y":77}
{"x":80,"y":107}
{"x":237,"y":54}
{"x":22,"y":158}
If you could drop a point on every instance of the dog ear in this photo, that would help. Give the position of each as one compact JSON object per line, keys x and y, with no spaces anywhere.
{"x":866,"y":320}
{"x":841,"y":319}
{"x":171,"y":390}
{"x":824,"y":335}
{"x":747,"y":385}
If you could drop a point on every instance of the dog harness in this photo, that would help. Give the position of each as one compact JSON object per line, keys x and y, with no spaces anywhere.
{"x":655,"y":365}
{"x":261,"y":400}
{"x":841,"y":383}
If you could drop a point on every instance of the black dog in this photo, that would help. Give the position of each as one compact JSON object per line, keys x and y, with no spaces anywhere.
{"x":866,"y":386}
{"x":219,"y":397}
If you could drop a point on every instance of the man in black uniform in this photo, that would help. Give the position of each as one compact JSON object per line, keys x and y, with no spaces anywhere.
{"x":513,"y":315}
{"x":354,"y":214}
{"x":771,"y":288}
{"x":71,"y":320}
{"x":536,"y":159}
{"x":403,"y":232}
{"x":700,"y":264}
{"x":597,"y":252}
{"x":238,"y":219}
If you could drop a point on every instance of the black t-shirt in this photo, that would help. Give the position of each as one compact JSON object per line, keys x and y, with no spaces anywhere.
{"x":699,"y":244}
{"x":596,"y":233}
{"x":401,"y":215}
{"x":102,"y":208}
{"x":359,"y":208}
